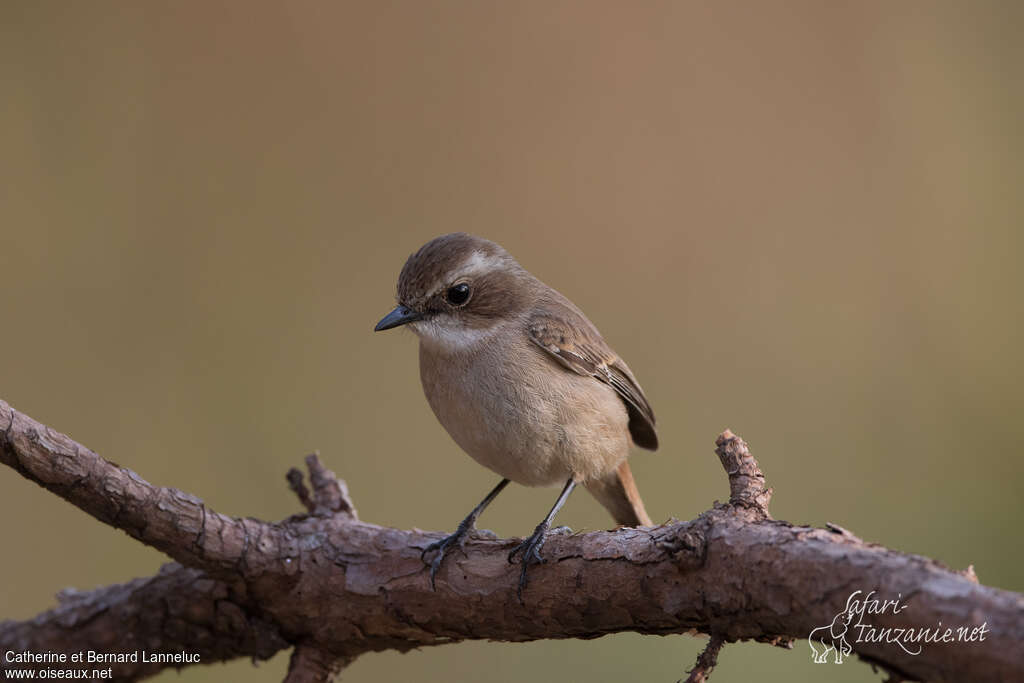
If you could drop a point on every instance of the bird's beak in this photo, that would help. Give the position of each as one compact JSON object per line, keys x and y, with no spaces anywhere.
{"x":400,"y":316}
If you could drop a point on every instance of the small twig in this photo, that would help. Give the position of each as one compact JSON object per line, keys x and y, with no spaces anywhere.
{"x":312,"y":664}
{"x":329,"y":493}
{"x":845,"y":533}
{"x":296,"y":484}
{"x":969,"y":573}
{"x":706,"y":661}
{"x":746,"y":482}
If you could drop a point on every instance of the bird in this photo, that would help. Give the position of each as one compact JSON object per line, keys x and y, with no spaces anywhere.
{"x":523,"y":382}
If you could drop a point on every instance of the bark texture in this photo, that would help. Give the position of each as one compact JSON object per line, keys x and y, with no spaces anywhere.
{"x":332,"y":586}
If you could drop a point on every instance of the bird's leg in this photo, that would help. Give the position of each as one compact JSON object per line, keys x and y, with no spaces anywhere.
{"x":458,"y":539}
{"x":530,"y":548}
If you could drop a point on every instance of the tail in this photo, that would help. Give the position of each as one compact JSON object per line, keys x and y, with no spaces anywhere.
{"x":617,"y":493}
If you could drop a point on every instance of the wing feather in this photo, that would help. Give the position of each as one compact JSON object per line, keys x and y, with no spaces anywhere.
{"x":565,"y":333}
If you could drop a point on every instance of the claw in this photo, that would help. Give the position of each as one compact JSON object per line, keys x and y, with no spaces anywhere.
{"x":457,"y":539}
{"x":515,"y":551}
{"x":530,"y":550}
{"x":431,"y":548}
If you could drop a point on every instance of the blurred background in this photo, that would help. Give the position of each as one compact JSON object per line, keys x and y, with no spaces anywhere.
{"x":798,"y":220}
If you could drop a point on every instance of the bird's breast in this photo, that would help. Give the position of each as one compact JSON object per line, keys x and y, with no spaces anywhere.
{"x":520,"y":414}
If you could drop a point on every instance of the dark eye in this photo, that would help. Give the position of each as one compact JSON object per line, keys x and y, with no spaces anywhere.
{"x":458,"y":294}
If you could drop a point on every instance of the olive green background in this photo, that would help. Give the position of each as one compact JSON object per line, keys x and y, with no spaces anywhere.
{"x":801,"y":221}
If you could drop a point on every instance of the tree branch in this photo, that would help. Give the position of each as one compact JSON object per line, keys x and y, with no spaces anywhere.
{"x":178,"y":610}
{"x":170,"y":520}
{"x":336,"y":587}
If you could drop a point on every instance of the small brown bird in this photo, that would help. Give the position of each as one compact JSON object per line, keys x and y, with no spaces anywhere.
{"x":522,"y":381}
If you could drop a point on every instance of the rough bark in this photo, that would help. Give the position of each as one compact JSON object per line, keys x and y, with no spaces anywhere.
{"x":334,"y":587}
{"x":178,"y":610}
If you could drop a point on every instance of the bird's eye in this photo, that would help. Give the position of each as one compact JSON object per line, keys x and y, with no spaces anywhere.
{"x":457,"y":295}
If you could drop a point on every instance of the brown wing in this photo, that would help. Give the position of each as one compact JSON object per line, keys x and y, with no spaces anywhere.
{"x":564,"y":332}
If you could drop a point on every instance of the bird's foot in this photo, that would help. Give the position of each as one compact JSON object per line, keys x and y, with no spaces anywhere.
{"x":530,"y":551}
{"x":457,"y":540}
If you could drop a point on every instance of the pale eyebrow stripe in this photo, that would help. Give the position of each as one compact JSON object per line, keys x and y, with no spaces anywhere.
{"x":479,"y":262}
{"x":476,"y":263}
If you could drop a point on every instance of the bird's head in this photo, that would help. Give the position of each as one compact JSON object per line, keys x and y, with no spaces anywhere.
{"x":457,"y":288}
